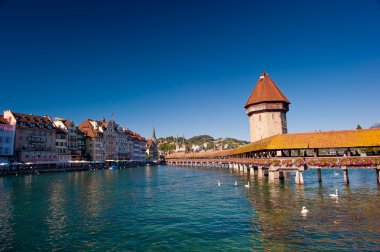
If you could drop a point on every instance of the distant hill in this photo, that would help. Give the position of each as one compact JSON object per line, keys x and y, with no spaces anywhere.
{"x":198,"y":143}
{"x":201,"y":138}
{"x":375,"y":126}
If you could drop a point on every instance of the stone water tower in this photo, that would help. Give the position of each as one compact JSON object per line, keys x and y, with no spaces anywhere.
{"x":266,"y":108}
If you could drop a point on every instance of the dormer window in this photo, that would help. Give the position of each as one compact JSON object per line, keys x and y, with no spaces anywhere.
{"x":49,"y":126}
{"x":17,"y":117}
{"x":41,"y":126}
{"x":32,"y":125}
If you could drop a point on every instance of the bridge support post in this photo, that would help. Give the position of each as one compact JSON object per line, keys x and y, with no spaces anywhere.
{"x":299,"y":178}
{"x":282,"y":175}
{"x":378,"y":174}
{"x":266,"y":172}
{"x":260,"y":173}
{"x":319,"y":175}
{"x":274,"y":175}
{"x":252,"y":171}
{"x":345,"y":175}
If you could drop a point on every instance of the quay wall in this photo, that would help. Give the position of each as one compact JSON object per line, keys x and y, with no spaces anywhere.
{"x":23,"y":169}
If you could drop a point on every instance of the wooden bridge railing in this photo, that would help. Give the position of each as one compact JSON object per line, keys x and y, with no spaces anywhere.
{"x":311,"y":162}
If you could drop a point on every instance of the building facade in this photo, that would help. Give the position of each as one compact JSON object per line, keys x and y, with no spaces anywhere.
{"x":7,"y":136}
{"x":123,"y":144}
{"x":35,"y":137}
{"x":138,"y":146}
{"x":266,"y":107}
{"x":61,"y":137}
{"x":110,"y":136}
{"x":152,"y":147}
{"x":74,"y":145}
{"x":92,"y":131}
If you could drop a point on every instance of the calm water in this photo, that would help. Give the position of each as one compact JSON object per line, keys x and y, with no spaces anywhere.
{"x":182,"y":209}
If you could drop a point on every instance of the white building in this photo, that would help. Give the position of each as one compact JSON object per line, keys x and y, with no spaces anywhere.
{"x":7,"y":135}
{"x":93,"y":132}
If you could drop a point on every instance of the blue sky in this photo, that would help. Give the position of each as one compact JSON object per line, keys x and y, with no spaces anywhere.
{"x":188,"y":67}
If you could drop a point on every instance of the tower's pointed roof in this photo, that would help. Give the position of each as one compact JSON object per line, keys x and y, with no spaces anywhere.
{"x":266,"y":91}
{"x":154,"y":135}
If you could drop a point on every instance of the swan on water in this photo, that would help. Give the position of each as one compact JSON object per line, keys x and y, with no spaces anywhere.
{"x":218,"y":182}
{"x":334,"y":195}
{"x":304,"y":211}
{"x":235,"y":183}
{"x":247,"y":185}
{"x":336,"y":174}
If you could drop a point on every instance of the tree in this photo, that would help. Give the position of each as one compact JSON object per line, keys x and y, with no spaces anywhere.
{"x":358,"y":127}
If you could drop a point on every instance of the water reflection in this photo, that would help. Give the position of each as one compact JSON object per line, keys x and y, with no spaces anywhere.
{"x":56,"y":219}
{"x":6,"y":214}
{"x":183,"y":209}
{"x":346,"y":221}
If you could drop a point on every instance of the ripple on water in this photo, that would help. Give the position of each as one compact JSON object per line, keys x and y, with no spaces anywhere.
{"x":183,"y":209}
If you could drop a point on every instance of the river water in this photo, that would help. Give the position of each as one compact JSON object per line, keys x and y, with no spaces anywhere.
{"x":183,"y":209}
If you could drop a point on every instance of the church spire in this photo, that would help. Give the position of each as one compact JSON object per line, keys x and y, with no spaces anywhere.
{"x":154,"y":139}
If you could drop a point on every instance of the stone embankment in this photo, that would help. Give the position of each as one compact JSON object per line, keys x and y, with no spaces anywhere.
{"x":33,"y":168}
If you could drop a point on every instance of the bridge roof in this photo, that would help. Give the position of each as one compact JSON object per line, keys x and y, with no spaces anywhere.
{"x":266,"y":91}
{"x":311,"y":140}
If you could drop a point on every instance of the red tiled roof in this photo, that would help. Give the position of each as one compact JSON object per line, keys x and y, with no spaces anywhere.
{"x":29,"y":118}
{"x":310,"y":140}
{"x":266,"y":91}
{"x":134,"y":135}
{"x":148,"y":143}
{"x":3,"y":120}
{"x":88,"y":130}
{"x":67,"y":123}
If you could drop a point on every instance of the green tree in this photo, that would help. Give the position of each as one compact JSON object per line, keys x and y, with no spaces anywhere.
{"x":358,"y":127}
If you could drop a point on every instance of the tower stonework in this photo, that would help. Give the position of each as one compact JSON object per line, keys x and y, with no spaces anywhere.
{"x":266,"y":108}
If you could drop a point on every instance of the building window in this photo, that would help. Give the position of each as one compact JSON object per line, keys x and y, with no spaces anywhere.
{"x":272,"y":116}
{"x":259,"y":117}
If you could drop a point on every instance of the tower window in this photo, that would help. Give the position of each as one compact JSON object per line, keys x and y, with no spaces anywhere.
{"x":272,"y":116}
{"x":259,"y":117}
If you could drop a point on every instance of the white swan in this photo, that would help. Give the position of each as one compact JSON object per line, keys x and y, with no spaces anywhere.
{"x":218,"y":182}
{"x":334,"y":195}
{"x":235,"y":183}
{"x":304,"y":211}
{"x":247,"y":185}
{"x":336,"y":174}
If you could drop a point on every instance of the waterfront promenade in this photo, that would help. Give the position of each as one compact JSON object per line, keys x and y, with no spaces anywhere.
{"x":36,"y":168}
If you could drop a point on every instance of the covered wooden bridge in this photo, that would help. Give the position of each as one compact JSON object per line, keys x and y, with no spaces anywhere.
{"x":279,"y":154}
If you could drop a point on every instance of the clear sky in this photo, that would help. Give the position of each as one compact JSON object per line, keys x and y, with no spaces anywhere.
{"x":188,"y":67}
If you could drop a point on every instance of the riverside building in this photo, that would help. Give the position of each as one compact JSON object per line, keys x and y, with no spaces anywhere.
{"x":93,"y":131}
{"x":35,"y":137}
{"x":75,"y":140}
{"x":152,"y":147}
{"x":139,"y":146}
{"x":7,"y":135}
